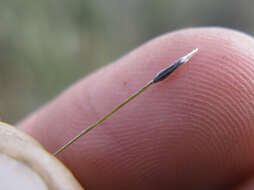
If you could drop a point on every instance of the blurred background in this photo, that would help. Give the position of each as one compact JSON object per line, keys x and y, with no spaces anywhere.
{"x":45,"y":45}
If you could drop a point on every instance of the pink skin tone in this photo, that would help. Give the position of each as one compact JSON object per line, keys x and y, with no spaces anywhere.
{"x":195,"y":130}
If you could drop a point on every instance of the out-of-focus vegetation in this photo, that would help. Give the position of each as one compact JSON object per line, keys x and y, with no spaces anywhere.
{"x":45,"y":45}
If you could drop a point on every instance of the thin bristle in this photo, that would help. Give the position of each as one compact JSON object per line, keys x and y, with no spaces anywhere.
{"x":163,"y":74}
{"x":159,"y":77}
{"x":189,"y":55}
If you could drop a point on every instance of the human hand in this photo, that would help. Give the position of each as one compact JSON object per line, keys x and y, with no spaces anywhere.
{"x":195,"y":130}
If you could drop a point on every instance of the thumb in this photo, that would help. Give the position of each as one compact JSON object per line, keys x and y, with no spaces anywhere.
{"x":194,"y":130}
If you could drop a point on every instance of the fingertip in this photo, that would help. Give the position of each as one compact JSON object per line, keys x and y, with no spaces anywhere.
{"x":193,"y":129}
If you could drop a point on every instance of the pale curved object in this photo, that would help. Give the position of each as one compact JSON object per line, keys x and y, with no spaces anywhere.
{"x":25,"y":164}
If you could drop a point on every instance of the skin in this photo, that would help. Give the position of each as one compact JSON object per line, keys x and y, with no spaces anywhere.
{"x":192,"y":131}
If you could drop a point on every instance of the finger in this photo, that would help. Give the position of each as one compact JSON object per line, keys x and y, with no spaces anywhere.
{"x":194,"y":130}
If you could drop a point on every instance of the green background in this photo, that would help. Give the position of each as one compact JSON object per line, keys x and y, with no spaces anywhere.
{"x":45,"y":45}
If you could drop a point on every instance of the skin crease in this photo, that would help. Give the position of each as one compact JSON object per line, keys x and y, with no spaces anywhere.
{"x":192,"y":131}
